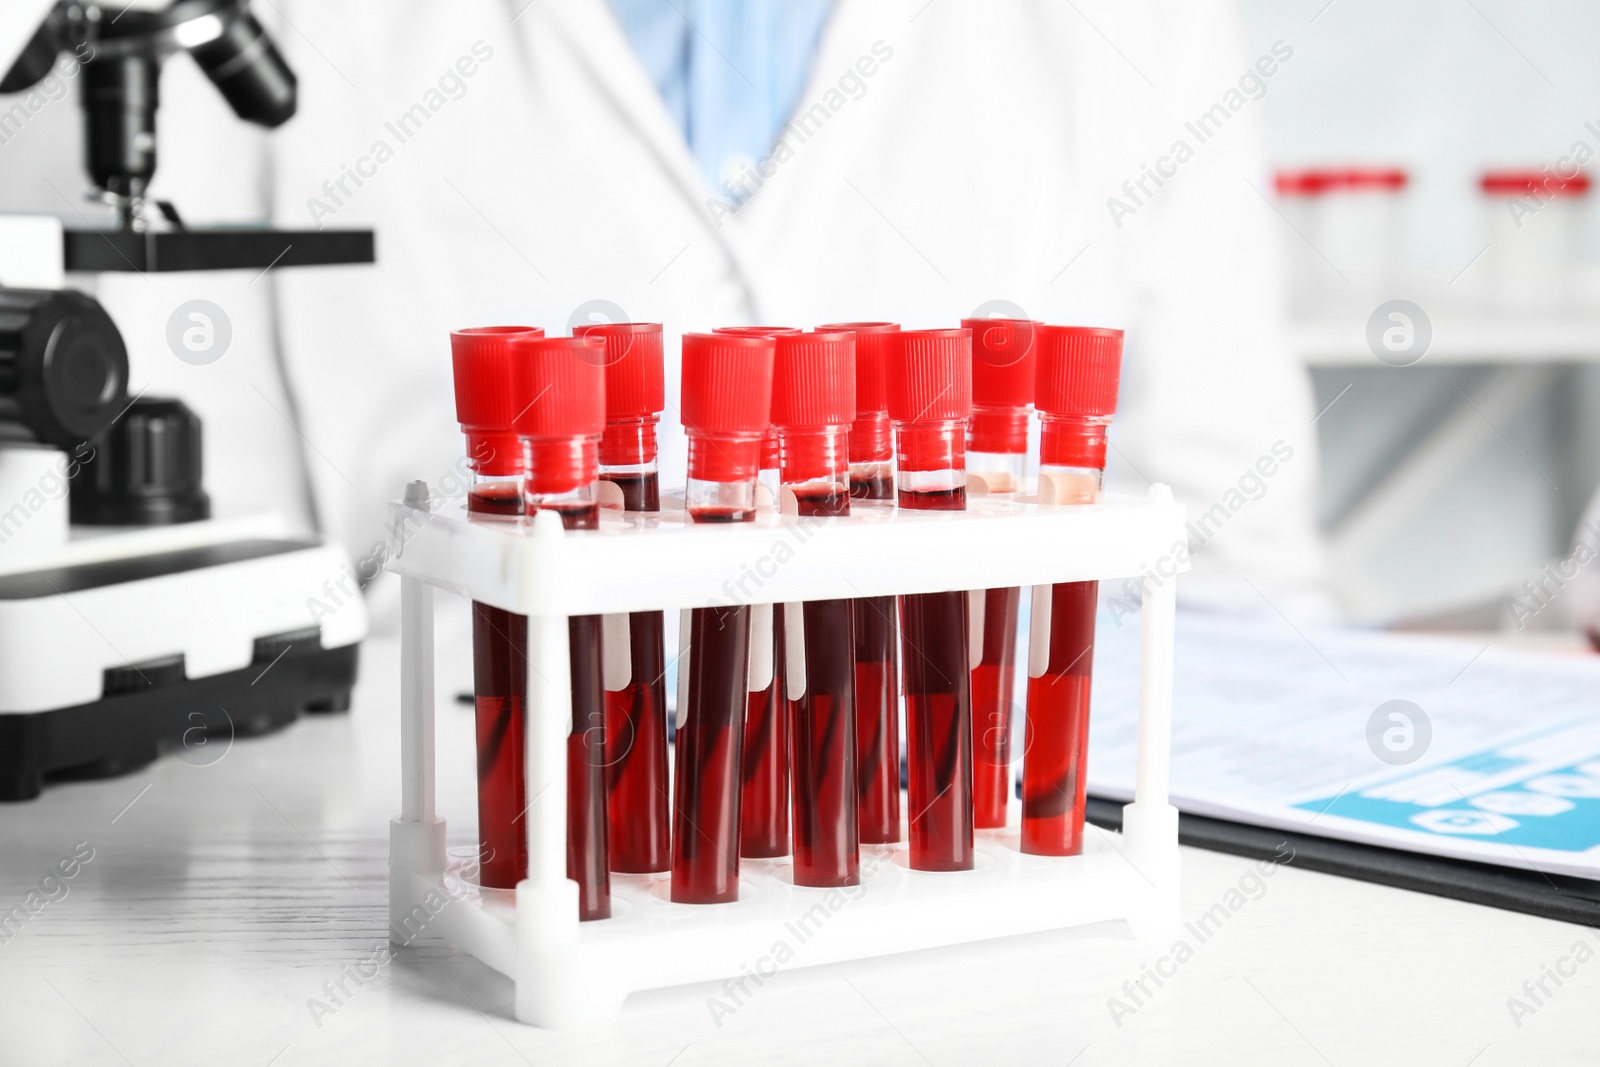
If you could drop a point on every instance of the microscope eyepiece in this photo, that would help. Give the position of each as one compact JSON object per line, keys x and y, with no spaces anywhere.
{"x":246,"y":68}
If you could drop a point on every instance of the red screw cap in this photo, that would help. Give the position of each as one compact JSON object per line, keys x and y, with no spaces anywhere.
{"x":1079,"y":370}
{"x":490,"y":389}
{"x":633,"y":365}
{"x":814,"y":379}
{"x":769,"y":443}
{"x":928,"y":375}
{"x":1003,"y":359}
{"x":567,"y":386}
{"x":755,"y":331}
{"x":872,"y":349}
{"x":727,"y":383}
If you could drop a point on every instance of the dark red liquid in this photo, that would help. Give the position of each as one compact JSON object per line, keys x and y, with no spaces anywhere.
{"x":641,"y":491}
{"x":764,"y":799}
{"x":826,"y":838}
{"x":710,"y":514}
{"x":934,"y":671}
{"x":1057,"y":733}
{"x":499,"y":686}
{"x":636,"y":755}
{"x":872,"y":486}
{"x":993,"y":679}
{"x":636,"y":725}
{"x":587,"y":859}
{"x":705,"y":803}
{"x":877,"y":720}
{"x":821,"y":503}
{"x":939,"y":500}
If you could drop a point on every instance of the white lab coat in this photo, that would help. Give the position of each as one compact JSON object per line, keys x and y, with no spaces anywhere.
{"x":973,"y":163}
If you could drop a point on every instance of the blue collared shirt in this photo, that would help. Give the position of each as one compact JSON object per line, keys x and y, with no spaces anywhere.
{"x":730,"y":72}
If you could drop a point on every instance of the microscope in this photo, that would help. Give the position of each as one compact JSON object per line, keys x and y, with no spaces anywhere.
{"x":132,"y":623}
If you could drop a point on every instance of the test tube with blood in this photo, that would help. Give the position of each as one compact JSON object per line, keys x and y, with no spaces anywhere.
{"x":929,"y":380}
{"x":726,"y":403}
{"x":490,"y":388}
{"x":1078,"y":372}
{"x":560,"y":428}
{"x":997,"y":449}
{"x":813,"y":404}
{"x":873,"y":618}
{"x":634,"y":661}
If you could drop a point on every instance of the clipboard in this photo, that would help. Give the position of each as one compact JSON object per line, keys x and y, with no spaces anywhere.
{"x":1563,"y":898}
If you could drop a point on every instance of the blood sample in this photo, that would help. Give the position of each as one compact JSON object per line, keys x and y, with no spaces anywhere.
{"x":638,"y":800}
{"x":560,"y":429}
{"x":764,"y":795}
{"x":813,"y":404}
{"x":929,"y":377}
{"x":489,"y":391}
{"x":1076,"y":394}
{"x":764,"y":804}
{"x":997,"y":447}
{"x":726,"y":401}
{"x":873,"y":618}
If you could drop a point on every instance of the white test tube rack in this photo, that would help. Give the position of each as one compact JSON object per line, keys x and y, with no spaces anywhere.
{"x":567,"y":972}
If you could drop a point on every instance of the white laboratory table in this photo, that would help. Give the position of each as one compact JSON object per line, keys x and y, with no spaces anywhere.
{"x":229,"y":886}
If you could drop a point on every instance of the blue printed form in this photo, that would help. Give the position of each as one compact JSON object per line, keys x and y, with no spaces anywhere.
{"x":1537,"y":792}
{"x":1447,"y":747}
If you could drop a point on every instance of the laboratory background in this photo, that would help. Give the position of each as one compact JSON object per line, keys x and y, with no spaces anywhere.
{"x":289,"y":290}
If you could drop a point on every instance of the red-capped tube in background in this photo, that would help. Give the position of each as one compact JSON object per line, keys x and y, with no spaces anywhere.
{"x":870,"y":438}
{"x":638,"y":796}
{"x":635,"y":390}
{"x":764,"y":794}
{"x":562,"y":423}
{"x":769,"y":440}
{"x":873,"y":619}
{"x":1003,"y":358}
{"x":813,"y":405}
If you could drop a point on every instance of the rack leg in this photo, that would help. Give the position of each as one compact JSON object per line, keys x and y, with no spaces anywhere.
{"x":550,"y":989}
{"x":416,"y":838}
{"x":1150,"y":823}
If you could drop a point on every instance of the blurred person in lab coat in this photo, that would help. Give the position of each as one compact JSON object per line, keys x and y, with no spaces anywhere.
{"x":715,"y":162}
